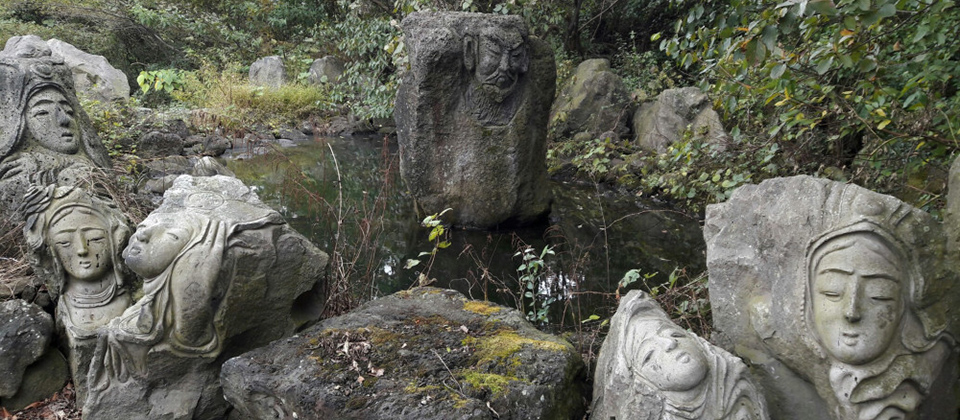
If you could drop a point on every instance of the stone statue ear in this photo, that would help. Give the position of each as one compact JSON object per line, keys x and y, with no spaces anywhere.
{"x":470,"y":52}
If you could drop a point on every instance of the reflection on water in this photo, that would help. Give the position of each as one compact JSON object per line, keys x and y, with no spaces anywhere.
{"x":597,"y":234}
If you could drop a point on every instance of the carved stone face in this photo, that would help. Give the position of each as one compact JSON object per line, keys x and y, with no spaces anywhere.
{"x":857,"y":298}
{"x":49,"y":120}
{"x":82,"y":244}
{"x":670,"y":358}
{"x":155,"y":244}
{"x":501,"y":59}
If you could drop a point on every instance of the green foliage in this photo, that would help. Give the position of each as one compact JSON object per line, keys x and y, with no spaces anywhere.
{"x":438,"y":238}
{"x":533,"y":271}
{"x":870,"y":86}
{"x":682,"y":297}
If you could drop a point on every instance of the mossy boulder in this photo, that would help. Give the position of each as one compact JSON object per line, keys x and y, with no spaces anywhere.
{"x":420,"y":354}
{"x":594,"y":101}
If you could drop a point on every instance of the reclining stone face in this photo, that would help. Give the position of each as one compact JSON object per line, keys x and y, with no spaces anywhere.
{"x":45,"y":137}
{"x":841,"y":297}
{"x":76,"y":240}
{"x":208,"y":256}
{"x":649,"y":368}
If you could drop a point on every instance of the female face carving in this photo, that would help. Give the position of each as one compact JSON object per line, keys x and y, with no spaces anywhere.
{"x":49,"y":120}
{"x":82,"y":244}
{"x":857,"y":298}
{"x":670,"y":359}
{"x":155,"y":244}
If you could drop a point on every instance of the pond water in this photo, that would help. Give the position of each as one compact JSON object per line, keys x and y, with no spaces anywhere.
{"x":345,"y":194}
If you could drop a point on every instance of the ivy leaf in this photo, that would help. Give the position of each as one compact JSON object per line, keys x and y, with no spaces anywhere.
{"x":778,"y":71}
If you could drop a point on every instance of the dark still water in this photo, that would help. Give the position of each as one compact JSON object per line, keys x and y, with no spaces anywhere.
{"x":345,"y":194}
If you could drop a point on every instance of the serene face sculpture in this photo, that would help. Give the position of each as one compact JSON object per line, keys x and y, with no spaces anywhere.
{"x":668,"y":357}
{"x":857,"y":297}
{"x":501,"y":58}
{"x":81,"y":242}
{"x":155,"y":244}
{"x":50,"y":121}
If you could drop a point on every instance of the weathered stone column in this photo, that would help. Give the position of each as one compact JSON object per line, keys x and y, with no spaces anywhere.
{"x":472,"y":116}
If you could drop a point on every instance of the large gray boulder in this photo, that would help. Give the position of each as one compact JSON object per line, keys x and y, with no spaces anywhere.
{"x":471,"y":117}
{"x":421,"y":354}
{"x":594,"y":101}
{"x":45,"y":136}
{"x":93,"y":75}
{"x":660,"y":123}
{"x":268,"y":71}
{"x":223,"y":274}
{"x":25,"y":335}
{"x":841,"y":299}
{"x":328,"y":69}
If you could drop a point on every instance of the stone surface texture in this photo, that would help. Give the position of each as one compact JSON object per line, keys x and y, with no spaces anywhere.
{"x":650,"y":368}
{"x":268,"y":71}
{"x":660,"y":123}
{"x":223,"y":274}
{"x":25,"y":333}
{"x":840,"y":298}
{"x":471,"y":117}
{"x":158,"y":144}
{"x":595,"y":100}
{"x":328,"y":69}
{"x":45,"y":136}
{"x":93,"y":76}
{"x":76,"y":240}
{"x":420,"y":354}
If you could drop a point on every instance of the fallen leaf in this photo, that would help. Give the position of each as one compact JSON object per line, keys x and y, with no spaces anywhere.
{"x":464,"y":329}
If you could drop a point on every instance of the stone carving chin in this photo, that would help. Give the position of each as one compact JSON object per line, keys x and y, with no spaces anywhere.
{"x":497,"y":60}
{"x":651,"y":360}
{"x":860,"y":313}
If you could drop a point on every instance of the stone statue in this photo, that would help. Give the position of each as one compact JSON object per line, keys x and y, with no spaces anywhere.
{"x":649,"y":368}
{"x":223,"y":273}
{"x":45,"y":136}
{"x":471,"y":116}
{"x":76,"y":241}
{"x":840,"y":297}
{"x":498,"y":61}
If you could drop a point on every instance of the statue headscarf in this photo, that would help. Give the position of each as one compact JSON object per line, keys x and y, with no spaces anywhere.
{"x":28,"y":66}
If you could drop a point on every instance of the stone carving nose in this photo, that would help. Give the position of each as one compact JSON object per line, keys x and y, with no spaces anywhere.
{"x":82,"y":248}
{"x":63,"y":117}
{"x":851,"y":308}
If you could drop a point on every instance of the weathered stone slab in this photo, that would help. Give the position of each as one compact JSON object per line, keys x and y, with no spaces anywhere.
{"x":472,"y":115}
{"x":595,"y":100}
{"x":45,"y":137}
{"x":650,"y":368}
{"x":660,"y":123}
{"x":92,"y":74}
{"x":223,"y":273}
{"x":25,"y":334}
{"x":268,"y":71}
{"x":324,"y":70}
{"x":839,"y":297}
{"x":420,"y":354}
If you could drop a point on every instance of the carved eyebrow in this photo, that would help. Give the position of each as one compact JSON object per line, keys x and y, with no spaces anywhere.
{"x":881,"y":275}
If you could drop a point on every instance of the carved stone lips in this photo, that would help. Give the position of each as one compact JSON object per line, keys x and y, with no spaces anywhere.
{"x":850,"y":338}
{"x":85,"y":264}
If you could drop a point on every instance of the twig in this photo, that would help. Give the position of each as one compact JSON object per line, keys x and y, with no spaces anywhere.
{"x":449,"y":372}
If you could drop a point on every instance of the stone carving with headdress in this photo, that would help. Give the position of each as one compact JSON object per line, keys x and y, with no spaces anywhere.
{"x":649,"y":368}
{"x":839,"y":294}
{"x":216,"y":264}
{"x":76,"y":240}
{"x":45,"y":137}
